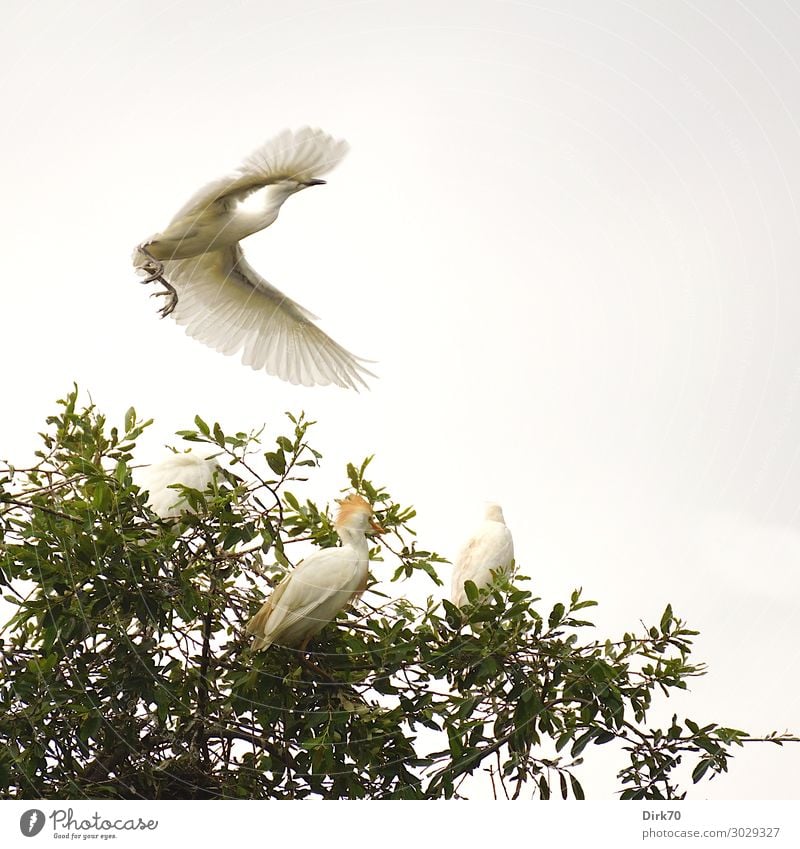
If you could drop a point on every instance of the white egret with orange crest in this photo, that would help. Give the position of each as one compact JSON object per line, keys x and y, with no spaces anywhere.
{"x":321,"y":586}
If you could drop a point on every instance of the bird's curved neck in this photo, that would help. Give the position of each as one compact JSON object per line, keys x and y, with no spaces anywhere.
{"x":356,"y":539}
{"x":248,"y":221}
{"x":276,"y":194}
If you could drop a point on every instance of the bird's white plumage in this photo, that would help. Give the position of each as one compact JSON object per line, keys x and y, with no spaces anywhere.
{"x":189,"y":470}
{"x":320,"y":586}
{"x":310,"y":597}
{"x":303,"y":155}
{"x":222,"y":301}
{"x":489,"y":549}
{"x":245,"y":313}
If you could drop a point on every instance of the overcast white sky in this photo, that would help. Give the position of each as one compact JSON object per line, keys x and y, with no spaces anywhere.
{"x":566,"y":231}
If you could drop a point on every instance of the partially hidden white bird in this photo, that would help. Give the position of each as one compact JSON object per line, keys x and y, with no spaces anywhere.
{"x":218,"y":297}
{"x":188,"y":469}
{"x":490,"y":549}
{"x":320,"y":586}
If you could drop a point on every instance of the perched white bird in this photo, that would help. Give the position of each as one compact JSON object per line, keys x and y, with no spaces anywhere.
{"x":320,"y":586}
{"x":220,"y":299}
{"x":489,"y":549}
{"x":189,"y":469}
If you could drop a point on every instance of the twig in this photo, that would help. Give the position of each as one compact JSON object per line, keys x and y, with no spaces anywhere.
{"x":7,"y":500}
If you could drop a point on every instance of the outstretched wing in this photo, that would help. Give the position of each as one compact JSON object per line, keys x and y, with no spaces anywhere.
{"x":224,"y":303}
{"x":302,"y":155}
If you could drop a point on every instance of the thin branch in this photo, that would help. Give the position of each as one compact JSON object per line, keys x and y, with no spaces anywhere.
{"x":219,"y":732}
{"x":7,"y":500}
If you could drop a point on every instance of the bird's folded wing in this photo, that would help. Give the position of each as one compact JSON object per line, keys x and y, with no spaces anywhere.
{"x":258,"y":623}
{"x":303,"y":592}
{"x":302,"y":155}
{"x":224,"y":303}
{"x":493,"y":548}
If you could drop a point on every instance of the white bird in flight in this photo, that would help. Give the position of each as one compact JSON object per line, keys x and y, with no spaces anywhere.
{"x":218,"y":297}
{"x":490,"y":549}
{"x":320,"y":586}
{"x":189,"y":470}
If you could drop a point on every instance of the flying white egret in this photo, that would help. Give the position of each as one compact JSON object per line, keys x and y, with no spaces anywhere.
{"x":489,"y":549}
{"x":320,"y":586}
{"x":218,"y":297}
{"x":189,"y":469}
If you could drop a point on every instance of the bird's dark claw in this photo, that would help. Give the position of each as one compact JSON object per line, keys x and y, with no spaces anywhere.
{"x":169,"y":293}
{"x":154,"y":269}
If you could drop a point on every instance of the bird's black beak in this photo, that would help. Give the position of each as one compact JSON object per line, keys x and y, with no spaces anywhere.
{"x":314,"y":182}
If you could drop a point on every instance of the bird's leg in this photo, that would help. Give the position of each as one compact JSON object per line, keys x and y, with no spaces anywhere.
{"x":154,"y":267}
{"x":313,"y":667}
{"x":171,"y":293}
{"x":155,"y":273}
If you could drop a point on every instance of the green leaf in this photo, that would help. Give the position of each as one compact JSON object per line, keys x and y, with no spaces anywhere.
{"x":563,"y":740}
{"x":666,"y":619}
{"x":471,"y":591}
{"x":102,"y":498}
{"x":89,"y":727}
{"x":604,"y":737}
{"x":277,"y":461}
{"x":700,"y":770}
{"x":582,"y":742}
{"x":556,"y":615}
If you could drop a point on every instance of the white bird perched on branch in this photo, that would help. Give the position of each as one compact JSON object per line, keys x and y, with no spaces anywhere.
{"x":189,"y":470}
{"x":490,"y":549}
{"x":320,"y":586}
{"x":219,"y":298}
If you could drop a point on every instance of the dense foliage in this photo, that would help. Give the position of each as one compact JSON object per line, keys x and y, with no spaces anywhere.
{"x":125,"y":669}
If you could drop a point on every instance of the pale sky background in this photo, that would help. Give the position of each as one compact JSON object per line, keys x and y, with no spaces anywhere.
{"x":566,"y":231}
